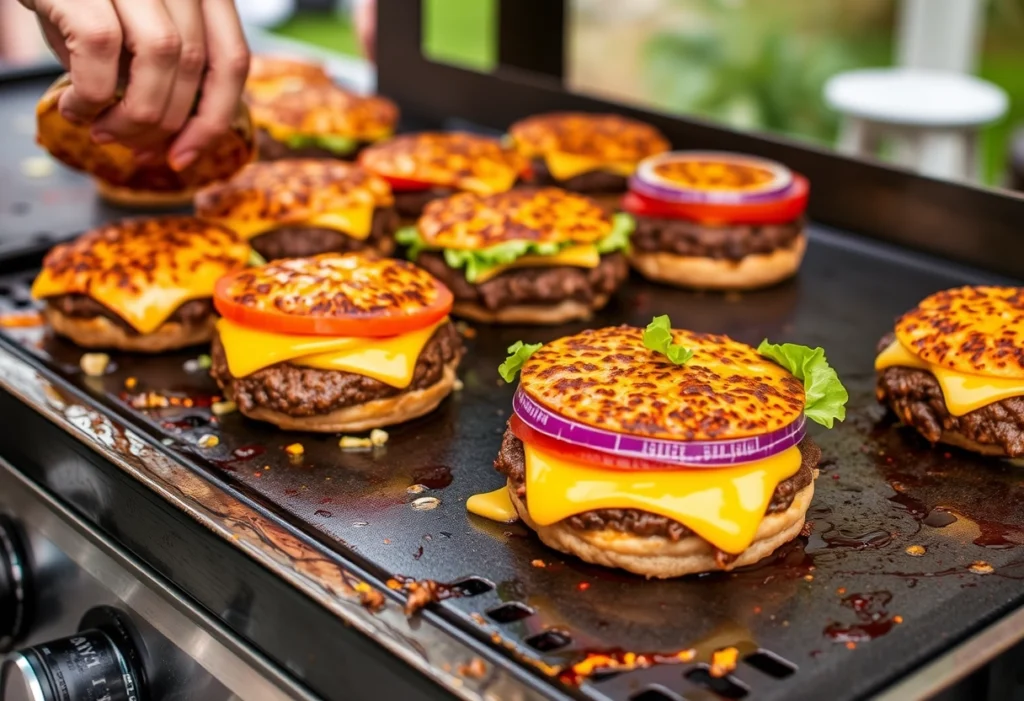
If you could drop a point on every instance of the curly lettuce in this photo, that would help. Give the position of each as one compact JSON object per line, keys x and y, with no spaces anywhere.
{"x":519,"y":353}
{"x":824,"y":395}
{"x":338,"y":145}
{"x":658,"y":338}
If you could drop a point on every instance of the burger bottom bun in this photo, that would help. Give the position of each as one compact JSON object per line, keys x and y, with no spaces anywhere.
{"x":960,"y":441}
{"x":101,"y":332}
{"x":363,"y":417}
{"x":569,"y":310}
{"x":127,"y":198}
{"x":658,"y":557}
{"x":749,"y":272}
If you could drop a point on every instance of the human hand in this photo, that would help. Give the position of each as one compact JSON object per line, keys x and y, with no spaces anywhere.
{"x":365,"y":20}
{"x":164,"y":53}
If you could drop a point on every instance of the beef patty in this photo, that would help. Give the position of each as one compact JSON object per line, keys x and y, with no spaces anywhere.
{"x":731,"y":241}
{"x":295,"y":241}
{"x":409,"y":205}
{"x":596,"y":181}
{"x":511,"y":462}
{"x":299,"y":391}
{"x":269,"y":149}
{"x":192,"y":313}
{"x":530,"y":286}
{"x":916,"y":398}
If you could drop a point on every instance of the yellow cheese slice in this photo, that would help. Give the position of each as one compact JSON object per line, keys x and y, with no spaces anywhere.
{"x":355,"y":222}
{"x":963,"y":392}
{"x":582,"y":256}
{"x":563,"y":166}
{"x":389,"y":360}
{"x":496,"y":506}
{"x":724,"y":506}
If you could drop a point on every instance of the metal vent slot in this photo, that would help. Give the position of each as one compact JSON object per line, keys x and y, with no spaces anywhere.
{"x":549,"y":641}
{"x":472,"y":586}
{"x":510,"y":612}
{"x":725,"y":687}
{"x":771,"y":664}
{"x":655,"y":693}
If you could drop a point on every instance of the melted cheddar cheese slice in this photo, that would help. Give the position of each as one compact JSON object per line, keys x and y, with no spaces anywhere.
{"x":563,"y":166}
{"x":724,"y":506}
{"x":355,"y":222}
{"x":389,"y":360}
{"x":496,"y":505}
{"x":963,"y":392}
{"x":581,"y":256}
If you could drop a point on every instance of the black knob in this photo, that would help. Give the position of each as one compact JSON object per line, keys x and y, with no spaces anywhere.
{"x":99,"y":663}
{"x":15,"y":591}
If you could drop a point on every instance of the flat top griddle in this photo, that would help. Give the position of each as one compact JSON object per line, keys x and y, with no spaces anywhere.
{"x":838,"y":614}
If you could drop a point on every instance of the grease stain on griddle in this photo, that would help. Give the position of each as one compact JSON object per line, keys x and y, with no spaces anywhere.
{"x":837,"y":538}
{"x":433,"y":476}
{"x":240,"y":456}
{"x":873,"y":620}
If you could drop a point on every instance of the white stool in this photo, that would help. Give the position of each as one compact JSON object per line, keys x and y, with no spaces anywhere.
{"x":931,"y":118}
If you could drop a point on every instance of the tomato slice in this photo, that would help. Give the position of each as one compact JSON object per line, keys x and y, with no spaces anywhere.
{"x":408,"y":185}
{"x":576,"y":452}
{"x":780,"y":211}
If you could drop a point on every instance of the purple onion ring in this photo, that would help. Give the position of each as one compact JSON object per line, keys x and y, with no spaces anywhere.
{"x":715,"y":453}
{"x":648,"y":183}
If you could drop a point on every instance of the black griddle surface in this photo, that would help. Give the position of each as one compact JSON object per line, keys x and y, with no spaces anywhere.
{"x":851,"y":581}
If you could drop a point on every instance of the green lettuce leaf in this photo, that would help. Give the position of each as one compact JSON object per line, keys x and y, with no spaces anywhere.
{"x":825,"y":397}
{"x":658,"y":338}
{"x":255,"y":259}
{"x":409,"y":236}
{"x":618,"y":240}
{"x":340,"y":145}
{"x":519,"y":353}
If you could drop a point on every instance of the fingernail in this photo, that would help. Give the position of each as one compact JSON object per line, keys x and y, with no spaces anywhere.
{"x":102,"y":137}
{"x":71,"y":117}
{"x":181,"y":161}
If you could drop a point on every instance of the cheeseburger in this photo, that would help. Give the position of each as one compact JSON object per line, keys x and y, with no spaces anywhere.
{"x":527,"y":256}
{"x":589,"y":153}
{"x":122,"y":181}
{"x":423,"y":167}
{"x":954,"y":369}
{"x":294,"y":208}
{"x":299,"y":119}
{"x":266,"y":72}
{"x":716,"y":220}
{"x":139,"y":285}
{"x":337,"y":342}
{"x":661,"y":451}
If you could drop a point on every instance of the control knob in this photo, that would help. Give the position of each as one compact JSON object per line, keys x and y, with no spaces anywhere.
{"x":14,"y":585}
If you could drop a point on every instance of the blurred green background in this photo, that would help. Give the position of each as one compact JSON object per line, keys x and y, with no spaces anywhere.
{"x":751,"y":64}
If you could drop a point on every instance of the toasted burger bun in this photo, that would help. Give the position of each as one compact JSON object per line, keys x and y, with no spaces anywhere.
{"x":122,"y":181}
{"x":569,"y":310}
{"x":100,"y":332}
{"x":377,"y":413}
{"x":657,"y":557}
{"x":750,"y":272}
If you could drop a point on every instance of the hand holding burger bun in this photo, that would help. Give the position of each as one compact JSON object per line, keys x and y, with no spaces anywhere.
{"x":337,"y":342}
{"x":716,"y":220}
{"x":527,"y":256}
{"x":954,"y":369}
{"x":302,"y":207}
{"x":692,"y":447}
{"x":139,"y":285}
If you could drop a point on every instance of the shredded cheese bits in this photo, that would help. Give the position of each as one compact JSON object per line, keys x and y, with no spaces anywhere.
{"x":143,"y":269}
{"x":721,"y":175}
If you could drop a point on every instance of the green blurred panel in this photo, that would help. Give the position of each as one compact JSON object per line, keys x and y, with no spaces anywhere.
{"x":461,"y":32}
{"x":326,"y":29}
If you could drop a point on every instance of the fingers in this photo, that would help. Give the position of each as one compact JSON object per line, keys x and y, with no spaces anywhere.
{"x":153,"y":41}
{"x":187,"y":16}
{"x":366,"y":26}
{"x":227,"y":67}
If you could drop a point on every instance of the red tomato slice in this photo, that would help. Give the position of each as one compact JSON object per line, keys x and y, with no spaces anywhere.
{"x":779,"y":211}
{"x":576,"y":452}
{"x":407,"y":185}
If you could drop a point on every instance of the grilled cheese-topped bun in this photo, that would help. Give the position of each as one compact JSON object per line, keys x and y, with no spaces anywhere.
{"x":297,"y":119}
{"x":954,"y":369}
{"x":336,"y":342}
{"x":663,"y":452}
{"x":295,"y":208}
{"x":535,"y":256}
{"x":591,"y":153}
{"x":423,"y":167}
{"x":139,"y":285}
{"x":265,"y":72}
{"x":119,"y":178}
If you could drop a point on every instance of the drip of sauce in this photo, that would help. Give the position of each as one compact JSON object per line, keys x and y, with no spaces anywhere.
{"x":496,"y":506}
{"x":873,"y":621}
{"x":433,"y":477}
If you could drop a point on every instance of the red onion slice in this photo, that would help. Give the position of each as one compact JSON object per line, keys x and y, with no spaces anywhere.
{"x":683,"y":453}
{"x":646,"y":181}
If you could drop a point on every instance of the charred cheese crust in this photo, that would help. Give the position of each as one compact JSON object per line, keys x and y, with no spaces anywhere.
{"x":115,"y":164}
{"x":310,"y":192}
{"x":708,"y":174}
{"x":606,"y":378}
{"x":544,"y":215}
{"x":348,"y":285}
{"x":573,"y":143}
{"x":970,"y":330}
{"x":266,"y":69}
{"x":286,"y":109}
{"x":450,"y":159}
{"x":143,"y":269}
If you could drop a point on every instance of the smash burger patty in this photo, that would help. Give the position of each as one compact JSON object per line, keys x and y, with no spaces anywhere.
{"x":192,"y":313}
{"x":730,"y":241}
{"x":511,"y":462}
{"x":304,"y":392}
{"x":532,"y":285}
{"x":916,"y":398}
{"x":297,"y":241}
{"x":595,"y":181}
